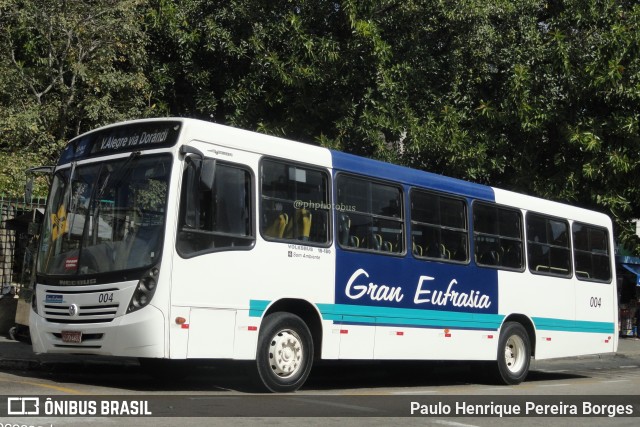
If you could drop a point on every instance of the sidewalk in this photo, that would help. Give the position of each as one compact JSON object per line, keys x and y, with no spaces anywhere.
{"x":16,"y":355}
{"x":629,"y":346}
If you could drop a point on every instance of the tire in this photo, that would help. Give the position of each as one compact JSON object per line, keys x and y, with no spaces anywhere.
{"x":514,"y":354}
{"x":285,"y":353}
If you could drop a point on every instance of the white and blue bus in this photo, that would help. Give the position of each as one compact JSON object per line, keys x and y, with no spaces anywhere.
{"x":182,"y":239}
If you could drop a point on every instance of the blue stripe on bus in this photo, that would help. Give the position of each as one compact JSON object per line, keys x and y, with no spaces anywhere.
{"x":345,"y":314}
{"x":400,"y":174}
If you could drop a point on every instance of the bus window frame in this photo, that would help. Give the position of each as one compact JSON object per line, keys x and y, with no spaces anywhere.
{"x":260,"y":221}
{"x":412,"y":223}
{"x":609,"y":253}
{"x":570,"y":273}
{"x":401,"y":220}
{"x":523,"y":237}
{"x":180,"y":217}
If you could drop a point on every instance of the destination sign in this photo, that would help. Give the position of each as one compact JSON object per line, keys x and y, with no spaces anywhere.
{"x":127,"y":137}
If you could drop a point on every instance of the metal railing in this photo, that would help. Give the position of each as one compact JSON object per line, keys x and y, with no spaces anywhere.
{"x":14,"y":239}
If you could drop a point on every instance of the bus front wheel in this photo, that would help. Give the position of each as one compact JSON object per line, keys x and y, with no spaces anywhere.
{"x":285,"y":353}
{"x":514,"y":354}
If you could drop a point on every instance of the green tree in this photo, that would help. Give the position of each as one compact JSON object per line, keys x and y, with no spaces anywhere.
{"x":538,"y":96}
{"x":304,"y":69}
{"x":66,"y":67}
{"x":596,"y":45}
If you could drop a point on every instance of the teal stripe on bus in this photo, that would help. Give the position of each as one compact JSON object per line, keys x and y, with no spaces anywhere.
{"x":389,"y":316}
{"x":563,"y":325}
{"x":257,"y":307}
{"x":371,"y":315}
{"x":357,"y":314}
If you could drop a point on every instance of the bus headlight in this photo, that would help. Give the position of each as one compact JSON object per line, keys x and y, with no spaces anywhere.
{"x":144,"y":290}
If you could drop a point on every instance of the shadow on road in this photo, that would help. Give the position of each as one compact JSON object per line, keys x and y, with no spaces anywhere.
{"x":206,"y":376}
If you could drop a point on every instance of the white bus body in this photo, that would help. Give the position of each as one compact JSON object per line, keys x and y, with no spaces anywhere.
{"x":182,"y":239}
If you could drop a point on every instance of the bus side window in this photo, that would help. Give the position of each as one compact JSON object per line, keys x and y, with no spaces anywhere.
{"x":294,"y":202}
{"x":591,"y":253}
{"x":374,"y":220}
{"x":548,"y":245}
{"x":439,"y":226}
{"x":497,"y":233}
{"x":215,"y":208}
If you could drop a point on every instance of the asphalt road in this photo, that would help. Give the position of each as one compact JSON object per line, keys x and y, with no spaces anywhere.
{"x":346,"y":394}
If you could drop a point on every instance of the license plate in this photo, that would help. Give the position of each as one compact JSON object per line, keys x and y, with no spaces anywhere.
{"x":74,"y":337}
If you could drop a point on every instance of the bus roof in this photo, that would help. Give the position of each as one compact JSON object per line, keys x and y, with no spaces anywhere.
{"x":402,"y":174}
{"x":195,"y":129}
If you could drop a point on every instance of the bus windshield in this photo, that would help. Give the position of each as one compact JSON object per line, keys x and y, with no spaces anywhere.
{"x":105,"y":217}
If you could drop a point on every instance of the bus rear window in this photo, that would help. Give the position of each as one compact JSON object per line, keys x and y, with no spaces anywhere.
{"x":591,"y":253}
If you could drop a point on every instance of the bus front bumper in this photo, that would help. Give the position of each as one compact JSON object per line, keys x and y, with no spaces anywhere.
{"x":138,"y":334}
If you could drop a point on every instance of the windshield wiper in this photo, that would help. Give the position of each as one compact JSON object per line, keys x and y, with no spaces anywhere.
{"x":116,"y":177}
{"x":118,"y":174}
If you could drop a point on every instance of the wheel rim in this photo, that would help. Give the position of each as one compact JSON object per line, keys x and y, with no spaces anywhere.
{"x":514,"y":354}
{"x":286,"y":353}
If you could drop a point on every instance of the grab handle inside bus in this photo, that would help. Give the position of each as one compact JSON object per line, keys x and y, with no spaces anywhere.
{"x":192,"y":215}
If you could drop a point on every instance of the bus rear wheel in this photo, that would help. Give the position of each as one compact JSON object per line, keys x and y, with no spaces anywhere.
{"x":285,"y":353}
{"x":514,"y":354}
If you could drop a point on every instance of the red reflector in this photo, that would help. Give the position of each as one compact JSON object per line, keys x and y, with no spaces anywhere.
{"x":252,"y":328}
{"x":399,"y":333}
{"x":447,"y":335}
{"x":548,"y":338}
{"x":344,"y":331}
{"x":490,"y":337}
{"x":185,"y":326}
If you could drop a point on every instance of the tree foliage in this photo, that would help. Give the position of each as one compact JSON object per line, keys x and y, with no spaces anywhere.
{"x":67,"y":66}
{"x":537,"y":96}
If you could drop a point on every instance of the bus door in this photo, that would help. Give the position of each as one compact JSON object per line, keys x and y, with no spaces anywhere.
{"x":215,"y":235}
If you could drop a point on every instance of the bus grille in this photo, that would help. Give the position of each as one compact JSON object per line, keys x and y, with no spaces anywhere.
{"x":86,"y":313}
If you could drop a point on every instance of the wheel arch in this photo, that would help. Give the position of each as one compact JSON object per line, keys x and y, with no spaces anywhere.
{"x":307,"y":312}
{"x":527,"y":323}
